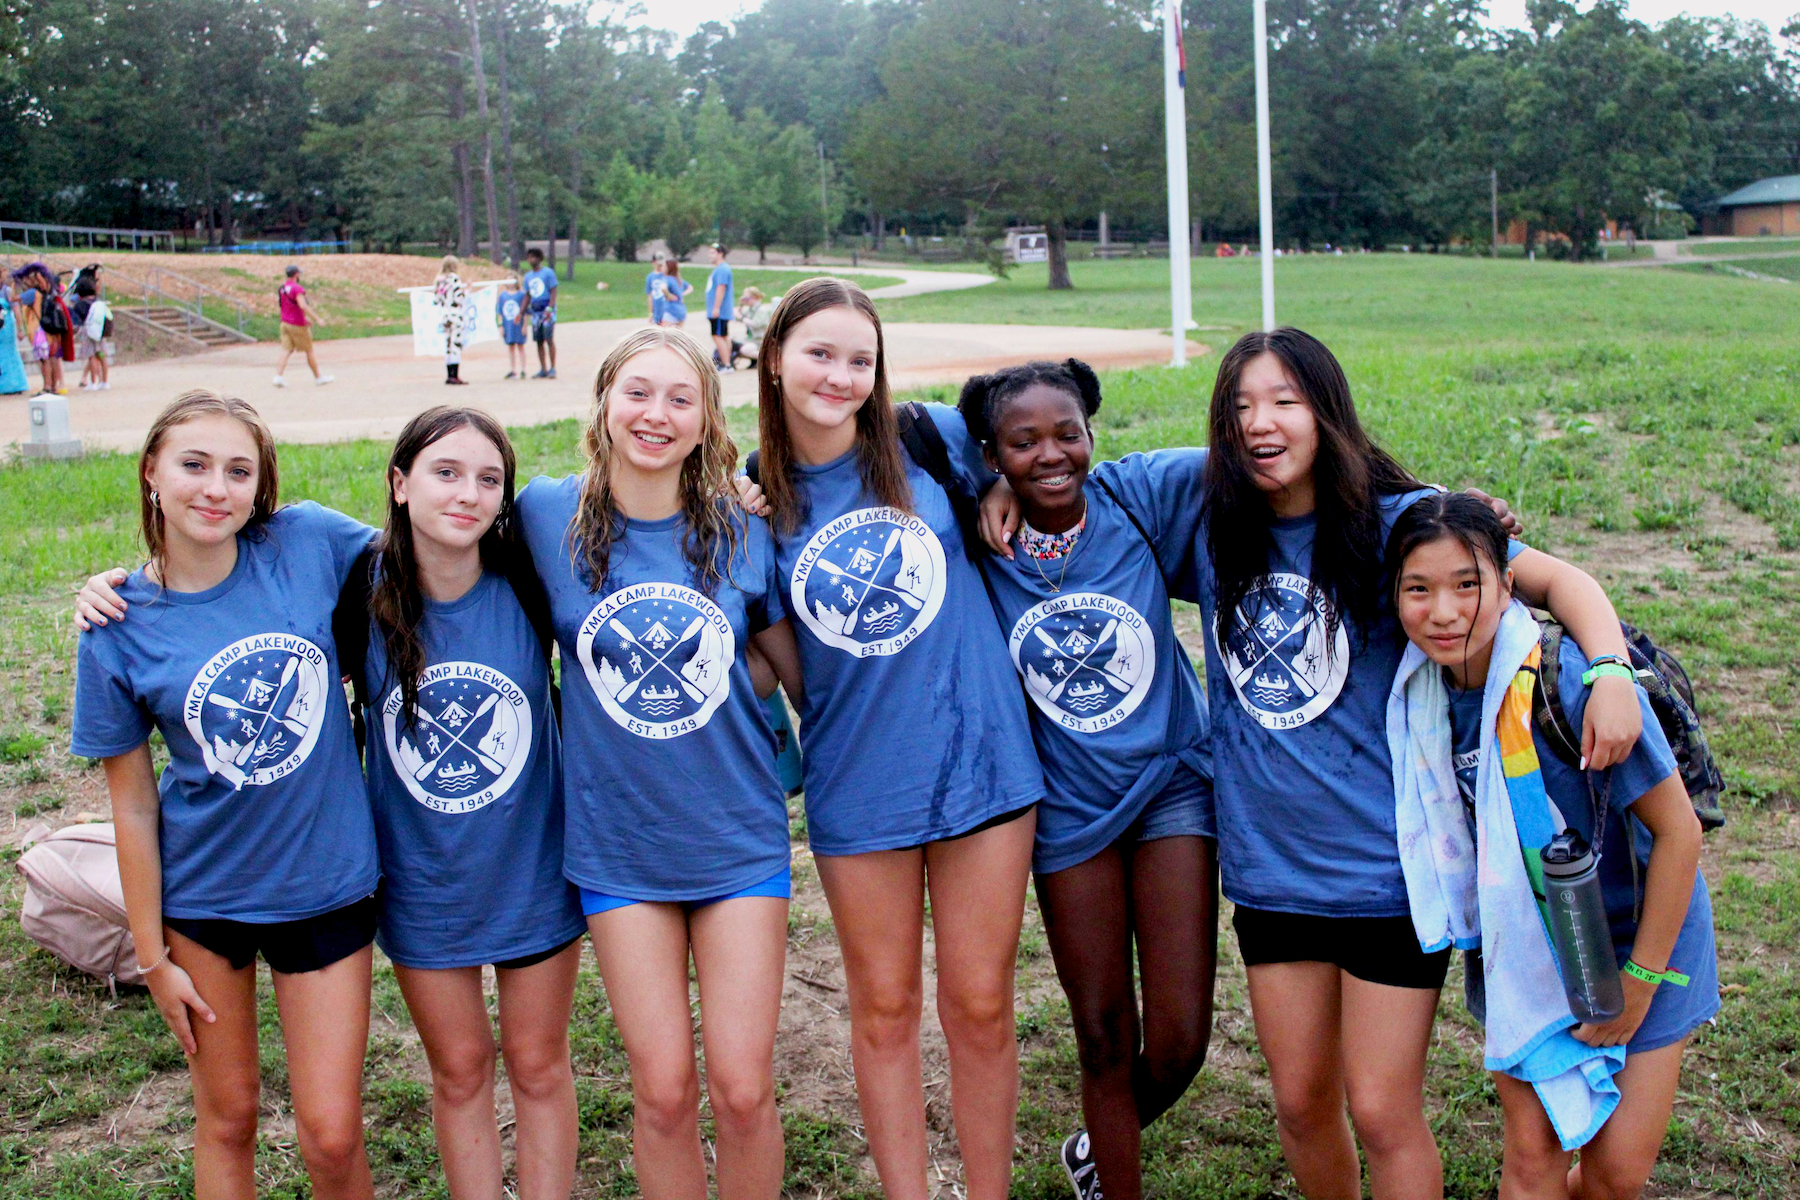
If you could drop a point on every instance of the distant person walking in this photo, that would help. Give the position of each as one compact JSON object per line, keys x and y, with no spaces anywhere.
{"x":653,"y":291}
{"x":52,"y":330}
{"x":453,"y":302}
{"x":718,"y":307}
{"x":297,"y":320}
{"x":93,"y":325}
{"x":12,"y":369}
{"x":509,"y":311}
{"x":540,"y":287}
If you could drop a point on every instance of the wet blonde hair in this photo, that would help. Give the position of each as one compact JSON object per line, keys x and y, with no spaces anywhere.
{"x":706,"y":504}
{"x":190,"y":406}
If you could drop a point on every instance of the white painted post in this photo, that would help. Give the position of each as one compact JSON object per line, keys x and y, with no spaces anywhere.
{"x":1265,"y":206}
{"x":1181,"y":284}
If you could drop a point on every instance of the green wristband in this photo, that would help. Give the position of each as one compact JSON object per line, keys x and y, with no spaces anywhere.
{"x":1637,"y":972}
{"x":1600,"y":670}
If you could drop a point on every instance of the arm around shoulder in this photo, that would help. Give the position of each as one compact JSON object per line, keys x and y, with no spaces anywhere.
{"x":1613,"y":720}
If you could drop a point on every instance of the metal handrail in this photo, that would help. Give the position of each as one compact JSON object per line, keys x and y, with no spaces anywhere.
{"x":91,"y":231}
{"x":151,"y":283}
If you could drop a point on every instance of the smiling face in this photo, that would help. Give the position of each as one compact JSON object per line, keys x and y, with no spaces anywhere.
{"x":1449,"y":600}
{"x":1281,"y":435}
{"x":654,"y":412}
{"x":205,"y":474}
{"x":826,"y":366}
{"x":454,"y":490}
{"x":1043,"y":445}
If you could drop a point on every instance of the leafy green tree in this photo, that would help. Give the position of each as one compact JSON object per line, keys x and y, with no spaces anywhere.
{"x":619,"y":215}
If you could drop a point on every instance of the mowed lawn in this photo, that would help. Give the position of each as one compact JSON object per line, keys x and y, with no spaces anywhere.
{"x":1647,"y":424}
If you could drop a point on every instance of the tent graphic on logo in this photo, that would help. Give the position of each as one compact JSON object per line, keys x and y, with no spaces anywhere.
{"x":658,"y":637}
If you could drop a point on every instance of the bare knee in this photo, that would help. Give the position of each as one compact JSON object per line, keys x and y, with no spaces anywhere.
{"x":331,"y":1142}
{"x":1308,"y":1105}
{"x":742,"y":1101}
{"x":666,"y":1103}
{"x":1386,"y":1121}
{"x":1605,"y":1177}
{"x":977,"y":1018}
{"x":464,"y":1074}
{"x":1533,"y":1163}
{"x":1175,"y":1050}
{"x":228,"y":1120}
{"x":886,"y":1020}
{"x":539,"y":1069}
{"x":1105,"y":1038}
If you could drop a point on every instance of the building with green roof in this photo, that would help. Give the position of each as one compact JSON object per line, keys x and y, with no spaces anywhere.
{"x":1766,"y":208}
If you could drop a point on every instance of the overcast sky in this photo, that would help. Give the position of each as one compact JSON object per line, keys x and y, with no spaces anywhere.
{"x":684,"y":16}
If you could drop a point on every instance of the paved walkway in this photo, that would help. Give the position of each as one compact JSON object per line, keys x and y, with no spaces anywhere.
{"x":380,"y":385}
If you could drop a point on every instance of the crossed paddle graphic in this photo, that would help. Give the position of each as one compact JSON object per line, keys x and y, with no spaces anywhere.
{"x":630,"y":689}
{"x":869,"y":585}
{"x":1269,"y":648}
{"x":1099,"y":643}
{"x":456,"y":740}
{"x":267,"y":714}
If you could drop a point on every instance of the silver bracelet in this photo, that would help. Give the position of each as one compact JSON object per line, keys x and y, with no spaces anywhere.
{"x":167,"y":950}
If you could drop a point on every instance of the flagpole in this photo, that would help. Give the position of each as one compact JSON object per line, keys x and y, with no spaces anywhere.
{"x":1265,"y":207}
{"x":1181,"y":287}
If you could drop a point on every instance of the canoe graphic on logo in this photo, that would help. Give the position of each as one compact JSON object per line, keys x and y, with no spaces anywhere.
{"x":1087,"y":659}
{"x":658,"y":656}
{"x":870,"y":582}
{"x":255,"y":708}
{"x":1281,"y":662}
{"x":469,"y":739}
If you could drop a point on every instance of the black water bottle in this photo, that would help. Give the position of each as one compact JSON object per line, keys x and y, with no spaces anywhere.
{"x":1580,"y":931}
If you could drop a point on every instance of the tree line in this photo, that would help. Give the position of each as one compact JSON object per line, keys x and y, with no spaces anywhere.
{"x":481,"y":123}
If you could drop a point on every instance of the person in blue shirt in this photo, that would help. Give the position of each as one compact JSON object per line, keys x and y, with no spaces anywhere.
{"x":1451,"y":587}
{"x":1125,"y":854}
{"x":464,"y":772}
{"x":719,"y":307}
{"x":540,"y":288}
{"x":1285,"y":518}
{"x":676,"y":820}
{"x":672,"y":290}
{"x":920,"y":773}
{"x":653,"y":293}
{"x":509,"y":310}
{"x":258,"y":836}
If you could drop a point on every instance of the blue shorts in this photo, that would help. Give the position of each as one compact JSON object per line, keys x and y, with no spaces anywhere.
{"x":1184,"y":808}
{"x":779,"y":885}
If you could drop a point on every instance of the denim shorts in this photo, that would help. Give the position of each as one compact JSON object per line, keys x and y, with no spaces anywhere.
{"x":1184,"y":808}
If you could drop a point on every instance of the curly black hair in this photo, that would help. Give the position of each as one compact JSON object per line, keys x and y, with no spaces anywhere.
{"x":984,"y":395}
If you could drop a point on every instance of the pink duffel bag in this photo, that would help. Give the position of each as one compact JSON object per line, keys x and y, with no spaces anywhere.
{"x":75,"y":904}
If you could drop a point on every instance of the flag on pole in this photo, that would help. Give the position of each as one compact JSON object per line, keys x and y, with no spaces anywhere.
{"x":1180,"y":45}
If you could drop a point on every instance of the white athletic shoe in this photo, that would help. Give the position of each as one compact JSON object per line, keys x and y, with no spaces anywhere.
{"x":324,"y":379}
{"x":278,"y":381}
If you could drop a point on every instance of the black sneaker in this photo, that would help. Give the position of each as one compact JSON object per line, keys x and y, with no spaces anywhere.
{"x":1078,"y":1165}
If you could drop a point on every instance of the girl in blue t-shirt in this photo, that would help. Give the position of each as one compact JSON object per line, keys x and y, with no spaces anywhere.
{"x":1453,"y":590}
{"x":258,"y":837}
{"x":1125,"y":855}
{"x":464,"y":771}
{"x":676,"y":821}
{"x":920,"y":773}
{"x":671,"y":290}
{"x":509,"y":312}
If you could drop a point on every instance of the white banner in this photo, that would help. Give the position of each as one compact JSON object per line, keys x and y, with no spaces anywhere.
{"x":428,"y":318}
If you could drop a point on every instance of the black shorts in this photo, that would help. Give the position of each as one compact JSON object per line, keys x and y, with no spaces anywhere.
{"x":1374,"y":949}
{"x":1005,"y":818}
{"x":532,"y":960}
{"x":291,"y":947}
{"x":721,"y":326}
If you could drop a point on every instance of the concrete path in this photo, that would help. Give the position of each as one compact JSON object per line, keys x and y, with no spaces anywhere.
{"x":912,"y":283}
{"x":380,"y":385}
{"x":1688,"y":260}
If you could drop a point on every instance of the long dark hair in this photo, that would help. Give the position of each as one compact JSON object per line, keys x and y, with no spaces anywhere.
{"x":1455,"y":515}
{"x":1349,"y":473}
{"x":395,"y":600}
{"x":878,"y":455}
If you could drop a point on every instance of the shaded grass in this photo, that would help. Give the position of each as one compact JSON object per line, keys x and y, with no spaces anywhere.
{"x":1740,"y":246}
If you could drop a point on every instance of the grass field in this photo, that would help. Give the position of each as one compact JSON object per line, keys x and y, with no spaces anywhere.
{"x":1646,"y":422}
{"x":1778,"y":268}
{"x":1742,"y":246}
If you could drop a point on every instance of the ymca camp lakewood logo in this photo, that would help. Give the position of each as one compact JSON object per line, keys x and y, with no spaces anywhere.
{"x":468,"y":741}
{"x":1088,"y":659}
{"x":1276,"y":652}
{"x":255,"y":708}
{"x":870,"y":582}
{"x":658,"y":656}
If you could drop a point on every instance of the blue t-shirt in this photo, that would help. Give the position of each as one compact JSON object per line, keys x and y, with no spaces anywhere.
{"x":512,"y":317}
{"x":656,"y":295}
{"x":674,"y":296}
{"x":1624,"y":851}
{"x":538,"y":285}
{"x":264,"y":814}
{"x":1302,"y":781}
{"x":670,"y":780}
{"x":720,"y":277}
{"x":468,"y":795}
{"x":914,"y":724}
{"x":1116,"y":706}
